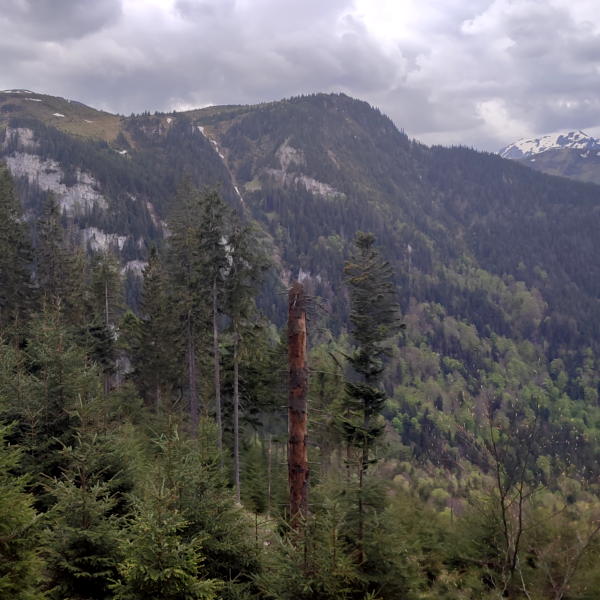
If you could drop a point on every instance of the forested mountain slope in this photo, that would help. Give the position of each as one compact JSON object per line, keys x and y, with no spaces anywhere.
{"x":313,"y":170}
{"x":489,"y":394}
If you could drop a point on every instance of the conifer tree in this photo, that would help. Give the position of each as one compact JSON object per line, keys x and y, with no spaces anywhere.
{"x":20,"y":565}
{"x":83,"y":542}
{"x":316,"y":563}
{"x":215,"y":266}
{"x":60,"y":268}
{"x":228,"y":548}
{"x":107,"y":286}
{"x":184,"y":259}
{"x":246,"y":266}
{"x":16,"y":252}
{"x":156,"y":345}
{"x":159,"y":560}
{"x":107,"y":296}
{"x":41,"y":389}
{"x":375,"y":317}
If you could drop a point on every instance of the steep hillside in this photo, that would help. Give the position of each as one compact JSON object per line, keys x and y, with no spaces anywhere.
{"x":315,"y":169}
{"x":484,"y":425}
{"x":495,"y":262}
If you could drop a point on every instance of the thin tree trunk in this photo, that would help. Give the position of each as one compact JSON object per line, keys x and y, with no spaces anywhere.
{"x":297,"y":404}
{"x":363,"y":467}
{"x":106,"y":373}
{"x":269,"y":478}
{"x":236,"y":412}
{"x":106,"y":301}
{"x":217,"y":370}
{"x":192,"y":377}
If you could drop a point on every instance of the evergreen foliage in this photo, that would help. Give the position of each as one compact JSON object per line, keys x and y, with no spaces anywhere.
{"x":374,"y":315}
{"x":156,"y":336}
{"x":159,"y":561}
{"x":16,"y":253}
{"x":59,"y":266}
{"x":415,"y":492}
{"x":20,"y":562}
{"x":83,"y":541}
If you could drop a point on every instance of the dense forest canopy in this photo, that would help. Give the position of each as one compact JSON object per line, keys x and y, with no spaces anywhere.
{"x":143,"y":361}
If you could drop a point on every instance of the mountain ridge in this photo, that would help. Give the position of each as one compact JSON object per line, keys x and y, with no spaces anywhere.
{"x":494,"y":261}
{"x":527,"y":147}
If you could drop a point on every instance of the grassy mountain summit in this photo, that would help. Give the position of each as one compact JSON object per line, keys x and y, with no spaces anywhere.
{"x":69,"y":116}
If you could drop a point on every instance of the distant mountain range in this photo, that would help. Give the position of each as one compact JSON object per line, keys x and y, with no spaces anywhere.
{"x":575,"y":155}
{"x":577,"y":140}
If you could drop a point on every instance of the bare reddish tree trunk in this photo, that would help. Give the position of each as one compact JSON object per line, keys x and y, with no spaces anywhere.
{"x":297,"y":394}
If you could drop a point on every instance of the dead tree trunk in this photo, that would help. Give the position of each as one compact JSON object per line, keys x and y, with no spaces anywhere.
{"x":297,"y":394}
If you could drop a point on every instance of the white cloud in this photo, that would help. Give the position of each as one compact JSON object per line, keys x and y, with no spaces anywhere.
{"x":477,"y":72}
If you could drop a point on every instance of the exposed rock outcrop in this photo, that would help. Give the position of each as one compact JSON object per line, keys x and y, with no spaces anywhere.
{"x":47,"y":174}
{"x":288,"y":155}
{"x":99,"y":240}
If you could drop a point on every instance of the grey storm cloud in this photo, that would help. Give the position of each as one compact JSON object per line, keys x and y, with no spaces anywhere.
{"x":57,"y":20}
{"x":476,"y":72}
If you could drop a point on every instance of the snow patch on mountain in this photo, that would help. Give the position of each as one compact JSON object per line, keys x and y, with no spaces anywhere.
{"x":556,"y":141}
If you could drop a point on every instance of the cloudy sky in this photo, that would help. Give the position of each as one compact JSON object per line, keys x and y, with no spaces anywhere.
{"x":477,"y":72}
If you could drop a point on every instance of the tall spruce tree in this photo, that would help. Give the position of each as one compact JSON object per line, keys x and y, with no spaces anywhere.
{"x":107,"y":286}
{"x":246,"y":267}
{"x":156,"y":353}
{"x":60,"y":268}
{"x":213,"y":233}
{"x":184,"y":259}
{"x":375,"y":317}
{"x":107,"y":297}
{"x":16,"y":252}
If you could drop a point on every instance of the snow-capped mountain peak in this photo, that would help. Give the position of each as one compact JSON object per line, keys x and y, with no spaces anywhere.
{"x":555,"y":141}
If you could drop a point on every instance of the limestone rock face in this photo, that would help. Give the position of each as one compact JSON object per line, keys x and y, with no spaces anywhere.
{"x":99,"y":240}
{"x":288,"y":155}
{"x":48,"y":175}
